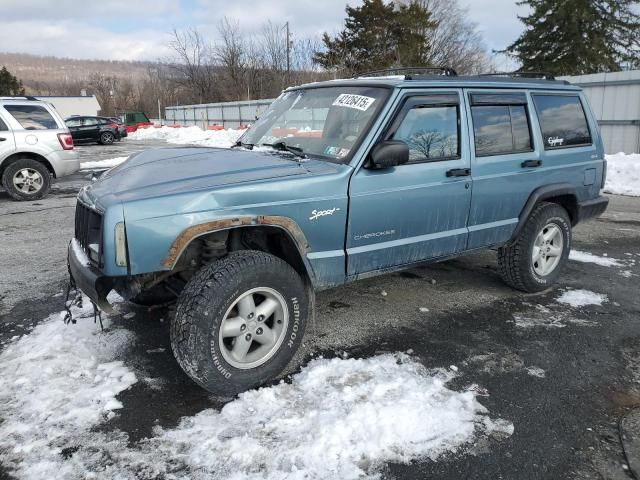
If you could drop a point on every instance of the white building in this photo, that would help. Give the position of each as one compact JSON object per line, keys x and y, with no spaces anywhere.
{"x":615,"y":101}
{"x":67,"y":106}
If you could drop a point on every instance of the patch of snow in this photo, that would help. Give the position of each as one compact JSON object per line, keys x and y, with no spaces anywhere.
{"x":536,"y":372}
{"x":587,"y":257}
{"x":55,"y":385}
{"x":337,"y":419}
{"x":623,"y":174}
{"x":189,"y":136}
{"x":581,"y":298}
{"x":99,"y":164}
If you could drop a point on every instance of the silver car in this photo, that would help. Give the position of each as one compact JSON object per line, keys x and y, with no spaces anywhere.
{"x":35,"y":147}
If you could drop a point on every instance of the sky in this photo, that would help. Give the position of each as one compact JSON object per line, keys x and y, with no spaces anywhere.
{"x":139,"y":29}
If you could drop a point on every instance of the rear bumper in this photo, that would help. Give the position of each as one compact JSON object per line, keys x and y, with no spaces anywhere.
{"x":89,"y":279}
{"x":591,"y":208}
{"x":64,"y":162}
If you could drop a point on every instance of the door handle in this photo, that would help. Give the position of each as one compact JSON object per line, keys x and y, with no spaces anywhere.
{"x":531,"y":164}
{"x":2,"y":139}
{"x":459,"y":172}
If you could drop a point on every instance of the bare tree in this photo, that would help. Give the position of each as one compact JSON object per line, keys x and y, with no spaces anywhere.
{"x":231,"y":54}
{"x":194,"y":65}
{"x":455,"y":41}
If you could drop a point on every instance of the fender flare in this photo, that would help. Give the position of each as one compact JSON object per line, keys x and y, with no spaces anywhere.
{"x":538,"y":195}
{"x":189,"y":234}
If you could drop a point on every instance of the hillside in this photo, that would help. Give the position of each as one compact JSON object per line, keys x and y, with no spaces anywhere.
{"x":42,"y":74}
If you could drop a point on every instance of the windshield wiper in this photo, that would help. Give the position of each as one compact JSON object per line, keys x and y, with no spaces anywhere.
{"x":248,"y":146}
{"x":297,"y":151}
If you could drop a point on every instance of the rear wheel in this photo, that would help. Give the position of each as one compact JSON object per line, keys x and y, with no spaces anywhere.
{"x":107,"y":138}
{"x":26,"y":179}
{"x":534,"y":261}
{"x":239,"y":321}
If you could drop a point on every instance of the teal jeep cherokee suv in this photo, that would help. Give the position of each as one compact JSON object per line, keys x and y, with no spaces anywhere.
{"x":338,"y":181}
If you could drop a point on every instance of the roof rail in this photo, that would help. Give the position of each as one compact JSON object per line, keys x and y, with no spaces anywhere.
{"x":408,"y":72}
{"x":19,"y":97}
{"x":538,"y":75}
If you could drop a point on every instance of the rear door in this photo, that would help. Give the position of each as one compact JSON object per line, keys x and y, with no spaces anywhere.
{"x":418,"y":211}
{"x":90,"y":129}
{"x":505,"y":162}
{"x":7,"y":142}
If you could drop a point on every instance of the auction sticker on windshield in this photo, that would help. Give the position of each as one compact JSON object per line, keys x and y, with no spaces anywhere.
{"x":359,"y":102}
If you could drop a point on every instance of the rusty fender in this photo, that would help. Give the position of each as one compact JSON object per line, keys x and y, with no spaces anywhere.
{"x":187,"y":235}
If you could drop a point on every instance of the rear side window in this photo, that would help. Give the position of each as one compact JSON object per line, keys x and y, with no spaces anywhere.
{"x":3,"y":126}
{"x":562,"y":121}
{"x":32,"y":117}
{"x":90,"y":122}
{"x":500,"y":124}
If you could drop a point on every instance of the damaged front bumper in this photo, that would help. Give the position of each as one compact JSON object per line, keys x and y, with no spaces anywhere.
{"x":90,"y":280}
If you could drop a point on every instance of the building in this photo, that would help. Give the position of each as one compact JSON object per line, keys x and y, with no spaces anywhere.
{"x":68,"y":106}
{"x":615,"y":101}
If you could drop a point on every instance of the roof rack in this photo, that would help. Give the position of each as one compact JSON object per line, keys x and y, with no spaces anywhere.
{"x":20,"y":97}
{"x":519,"y":74}
{"x":409,"y":72}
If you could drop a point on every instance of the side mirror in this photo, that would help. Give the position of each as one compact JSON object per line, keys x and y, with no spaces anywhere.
{"x":390,"y":153}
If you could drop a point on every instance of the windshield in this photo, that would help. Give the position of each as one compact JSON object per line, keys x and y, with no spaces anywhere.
{"x":326,"y":123}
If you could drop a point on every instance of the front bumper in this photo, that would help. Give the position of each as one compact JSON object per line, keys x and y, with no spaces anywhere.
{"x":90,"y":280}
{"x":592,"y":208}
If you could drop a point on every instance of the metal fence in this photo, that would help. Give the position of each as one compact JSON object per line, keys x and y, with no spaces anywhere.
{"x":615,"y":101}
{"x":228,"y":114}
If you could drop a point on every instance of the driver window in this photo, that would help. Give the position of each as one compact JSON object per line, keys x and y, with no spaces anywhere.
{"x":431,"y":132}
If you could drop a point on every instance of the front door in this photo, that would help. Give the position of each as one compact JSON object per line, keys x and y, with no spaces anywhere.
{"x":417,"y":211}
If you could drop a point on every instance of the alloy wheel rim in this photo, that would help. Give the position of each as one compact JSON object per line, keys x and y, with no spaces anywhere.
{"x":28,"y":180}
{"x":547,"y":250}
{"x":253,"y":328}
{"x":107,"y":138}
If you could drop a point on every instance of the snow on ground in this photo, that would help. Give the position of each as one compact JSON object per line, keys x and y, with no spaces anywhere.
{"x":338,"y":418}
{"x":623,"y":174}
{"x":581,"y":298}
{"x":545,"y":317}
{"x":108,"y":163}
{"x":587,"y":257}
{"x":189,"y":136}
{"x":56,"y":383}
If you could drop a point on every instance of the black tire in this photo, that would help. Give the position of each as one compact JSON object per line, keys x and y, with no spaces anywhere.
{"x":107,"y":138}
{"x":515,"y":260}
{"x":209,"y":295}
{"x":32,"y":165}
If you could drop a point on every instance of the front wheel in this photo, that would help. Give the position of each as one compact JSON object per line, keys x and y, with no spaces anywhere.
{"x":534,"y":261}
{"x":239,"y":321}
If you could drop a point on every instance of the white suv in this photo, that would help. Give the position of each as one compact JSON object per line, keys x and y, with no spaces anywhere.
{"x":35,"y":146}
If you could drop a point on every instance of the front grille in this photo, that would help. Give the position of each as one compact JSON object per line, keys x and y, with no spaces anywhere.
{"x":89,"y":232}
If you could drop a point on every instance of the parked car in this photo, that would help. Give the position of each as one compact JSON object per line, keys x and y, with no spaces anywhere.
{"x":399,"y":171}
{"x":35,"y":147}
{"x":93,"y":129}
{"x":122,"y":129}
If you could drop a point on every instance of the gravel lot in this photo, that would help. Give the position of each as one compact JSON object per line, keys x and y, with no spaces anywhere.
{"x":563,"y":375}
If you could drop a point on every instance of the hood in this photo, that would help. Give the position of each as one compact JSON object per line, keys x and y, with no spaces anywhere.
{"x":169,"y":171}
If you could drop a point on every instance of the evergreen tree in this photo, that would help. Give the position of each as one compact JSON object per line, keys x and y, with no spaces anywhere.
{"x":572,"y":37}
{"x":9,"y":84}
{"x":379,"y":35}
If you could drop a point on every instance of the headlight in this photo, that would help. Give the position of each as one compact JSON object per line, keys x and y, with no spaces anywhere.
{"x":121,"y":245}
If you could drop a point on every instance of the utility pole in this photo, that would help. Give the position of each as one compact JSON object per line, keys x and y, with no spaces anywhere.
{"x":288,"y":54}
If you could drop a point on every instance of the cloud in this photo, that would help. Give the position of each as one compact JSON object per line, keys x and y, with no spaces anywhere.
{"x":75,"y":40}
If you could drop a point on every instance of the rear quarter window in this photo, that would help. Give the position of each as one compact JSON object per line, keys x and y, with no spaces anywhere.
{"x":32,"y":117}
{"x":563,"y":121}
{"x":3,"y":126}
